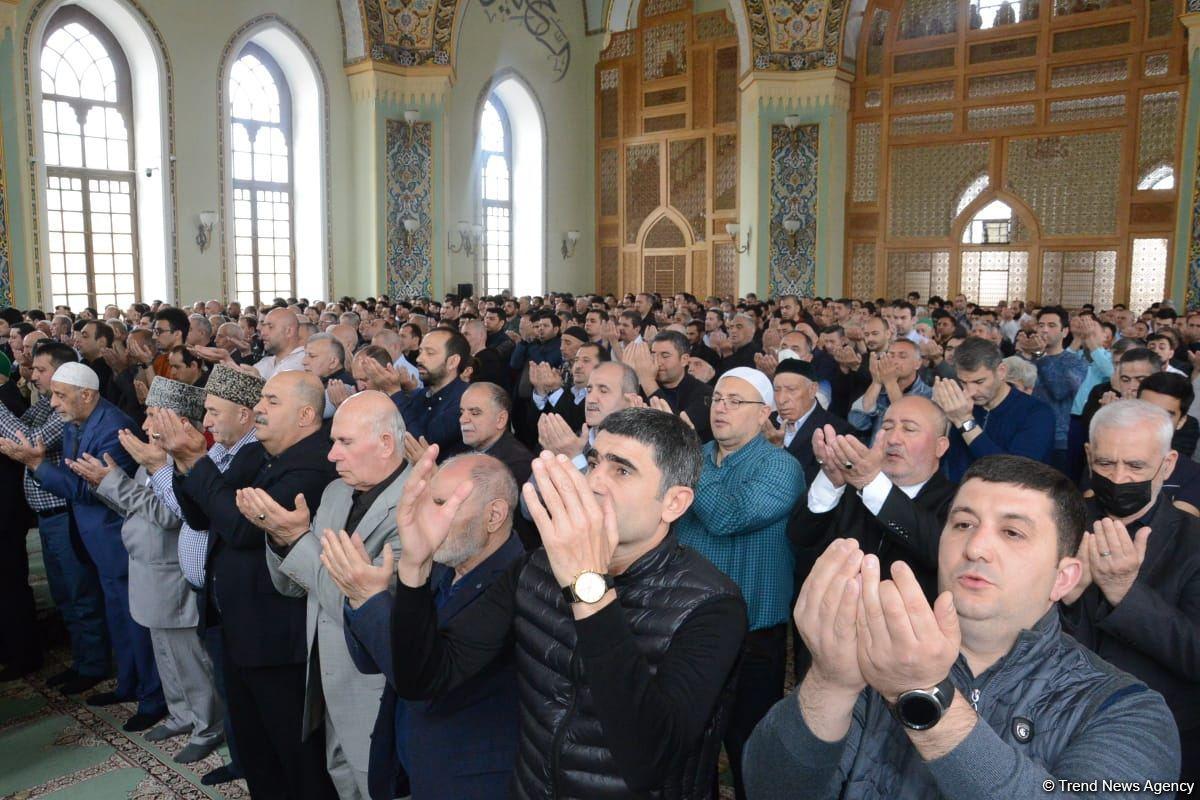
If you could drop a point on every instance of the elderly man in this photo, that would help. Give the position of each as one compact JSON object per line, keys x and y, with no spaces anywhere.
{"x":739,"y":347}
{"x":280,"y":331}
{"x":230,"y":396}
{"x":1137,"y":603}
{"x":368,"y":453}
{"x":325,"y":357}
{"x":160,"y":597}
{"x":980,"y":694}
{"x":612,"y":386}
{"x":465,"y":744}
{"x":799,"y":414}
{"x":899,"y":498}
{"x":265,"y":652}
{"x":74,"y":582}
{"x":987,"y":415}
{"x":549,"y":396}
{"x":641,"y":709}
{"x":231,"y":339}
{"x":92,"y":426}
{"x":893,"y":376}
{"x":483,"y":418}
{"x":738,"y":520}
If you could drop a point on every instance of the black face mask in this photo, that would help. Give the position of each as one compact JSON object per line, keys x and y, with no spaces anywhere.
{"x":1122,"y":499}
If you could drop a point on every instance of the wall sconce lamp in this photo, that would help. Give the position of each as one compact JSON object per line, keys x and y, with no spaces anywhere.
{"x":468,"y":238}
{"x":570,"y":239}
{"x":791,"y":226}
{"x":410,"y":227}
{"x":204,"y":228}
{"x":411,"y":116}
{"x":793,"y":123}
{"x":733,"y":230}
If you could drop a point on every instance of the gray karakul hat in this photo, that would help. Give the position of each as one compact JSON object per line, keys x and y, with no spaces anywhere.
{"x":186,"y":401}
{"x":235,"y":386}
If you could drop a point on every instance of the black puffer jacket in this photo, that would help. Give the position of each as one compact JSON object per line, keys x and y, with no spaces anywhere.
{"x":563,"y":754}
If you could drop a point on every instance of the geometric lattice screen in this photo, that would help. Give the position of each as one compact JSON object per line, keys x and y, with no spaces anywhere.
{"x":1069,"y":113}
{"x":666,"y":144}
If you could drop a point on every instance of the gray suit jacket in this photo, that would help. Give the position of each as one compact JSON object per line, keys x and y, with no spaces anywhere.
{"x":159,"y":595}
{"x":350,"y":698}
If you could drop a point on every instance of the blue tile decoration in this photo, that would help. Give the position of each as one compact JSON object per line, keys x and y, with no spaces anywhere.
{"x":6,"y":282}
{"x":409,"y":159}
{"x":1192,"y":290}
{"x":793,"y":262}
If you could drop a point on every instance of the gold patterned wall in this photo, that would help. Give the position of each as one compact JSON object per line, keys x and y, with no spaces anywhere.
{"x":1069,"y":113}
{"x":666,"y":153}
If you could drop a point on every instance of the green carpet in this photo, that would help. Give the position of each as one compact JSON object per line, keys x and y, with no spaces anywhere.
{"x":52,"y":745}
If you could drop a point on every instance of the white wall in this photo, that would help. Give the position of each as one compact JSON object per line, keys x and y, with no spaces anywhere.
{"x":195,"y":34}
{"x":487,"y":51}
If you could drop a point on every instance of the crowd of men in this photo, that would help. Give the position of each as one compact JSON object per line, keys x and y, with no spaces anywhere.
{"x":566,"y":546}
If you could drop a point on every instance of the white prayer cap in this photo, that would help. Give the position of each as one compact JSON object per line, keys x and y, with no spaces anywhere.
{"x":73,"y":373}
{"x":755,"y":378}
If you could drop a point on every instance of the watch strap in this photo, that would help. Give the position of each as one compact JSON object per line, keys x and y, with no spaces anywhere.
{"x":569,"y":590}
{"x":941,"y":696}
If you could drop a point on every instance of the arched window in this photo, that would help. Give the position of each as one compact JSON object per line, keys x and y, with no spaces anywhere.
{"x":87,"y":136}
{"x":495,"y":181}
{"x":261,"y":146}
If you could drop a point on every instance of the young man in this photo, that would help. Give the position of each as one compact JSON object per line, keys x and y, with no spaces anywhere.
{"x":980,"y":694}
{"x":988,"y":417}
{"x":627,"y":670}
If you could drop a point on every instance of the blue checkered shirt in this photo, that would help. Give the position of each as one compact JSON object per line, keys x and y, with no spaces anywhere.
{"x":738,"y":521}
{"x":39,"y":422}
{"x":193,"y":544}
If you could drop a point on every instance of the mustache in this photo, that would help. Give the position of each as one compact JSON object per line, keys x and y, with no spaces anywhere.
{"x":893,"y":450}
{"x":259,"y":419}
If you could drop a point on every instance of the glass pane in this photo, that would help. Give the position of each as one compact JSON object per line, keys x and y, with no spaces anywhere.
{"x":1148,"y":277}
{"x":491,"y":129}
{"x":253,"y":94}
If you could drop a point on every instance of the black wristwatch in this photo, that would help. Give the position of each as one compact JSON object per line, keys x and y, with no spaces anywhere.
{"x":921,"y":709}
{"x":968,"y":426}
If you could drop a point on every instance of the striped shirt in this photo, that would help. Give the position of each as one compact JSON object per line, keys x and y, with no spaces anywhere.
{"x":193,"y":544}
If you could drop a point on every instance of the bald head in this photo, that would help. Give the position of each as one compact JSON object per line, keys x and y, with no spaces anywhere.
{"x":914,"y":432}
{"x":368,"y":439}
{"x":280,"y":331}
{"x":484,"y":522}
{"x":391,"y":341}
{"x":290,"y":410}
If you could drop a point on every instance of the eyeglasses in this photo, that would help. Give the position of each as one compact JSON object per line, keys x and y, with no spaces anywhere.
{"x":733,"y":403}
{"x":161,"y":331}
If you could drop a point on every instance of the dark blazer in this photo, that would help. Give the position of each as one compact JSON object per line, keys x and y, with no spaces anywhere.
{"x":12,"y":491}
{"x":742,"y":357}
{"x":98,"y":525}
{"x":122,"y":394}
{"x":1154,"y":632}
{"x":515,"y":456}
{"x":566,"y":407}
{"x":801,"y":446}
{"x":519,"y":461}
{"x":463,"y":745}
{"x":905,"y":530}
{"x":492,"y":368}
{"x":262,"y":627}
{"x":692,"y":398}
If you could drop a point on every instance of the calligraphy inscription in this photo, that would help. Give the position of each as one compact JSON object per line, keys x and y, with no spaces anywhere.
{"x":540,"y":19}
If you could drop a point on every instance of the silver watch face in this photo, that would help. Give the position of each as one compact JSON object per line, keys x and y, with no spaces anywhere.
{"x":590,"y":587}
